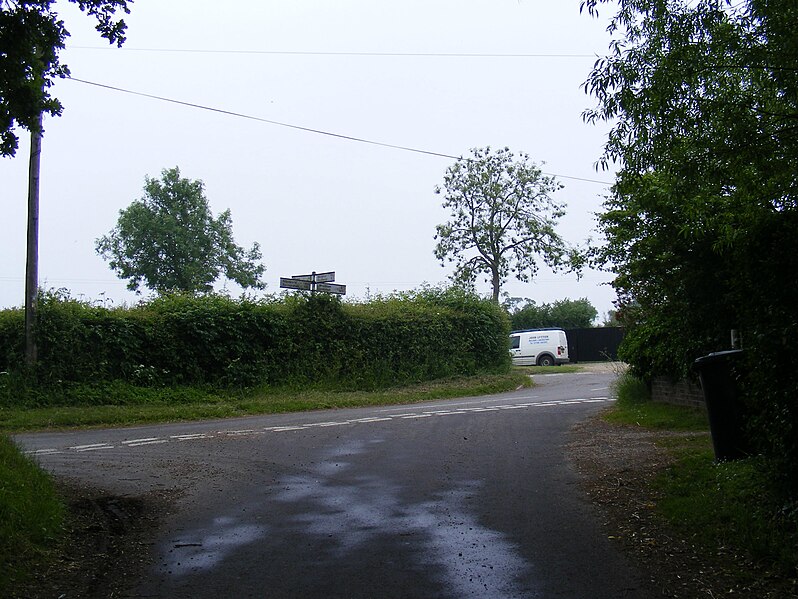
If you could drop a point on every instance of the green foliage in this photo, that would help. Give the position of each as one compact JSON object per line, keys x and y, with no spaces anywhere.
{"x":216,"y":341}
{"x":631,"y":391}
{"x":732,"y":505}
{"x":702,"y":224}
{"x":634,"y":407}
{"x":672,"y":277}
{"x":118,"y":403}
{"x":170,"y":241}
{"x":31,"y":37}
{"x":705,"y":89}
{"x":564,"y":314}
{"x":12,"y":337}
{"x":502,"y":217}
{"x":729,"y":504}
{"x":31,"y":514}
{"x":611,"y":319}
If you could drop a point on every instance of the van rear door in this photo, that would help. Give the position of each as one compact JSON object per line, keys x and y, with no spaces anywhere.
{"x":562,"y":349}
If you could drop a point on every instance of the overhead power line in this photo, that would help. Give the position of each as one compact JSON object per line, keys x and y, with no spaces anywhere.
{"x":327,"y":53}
{"x":297,"y":127}
{"x":262,"y":120}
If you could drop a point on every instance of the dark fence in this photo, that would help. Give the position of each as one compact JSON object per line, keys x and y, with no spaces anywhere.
{"x":594,"y":344}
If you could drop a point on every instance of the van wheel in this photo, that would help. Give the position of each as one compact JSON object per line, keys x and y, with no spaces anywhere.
{"x":546,"y":361}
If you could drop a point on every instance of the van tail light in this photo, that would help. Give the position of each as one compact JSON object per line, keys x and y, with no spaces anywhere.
{"x":560,"y":350}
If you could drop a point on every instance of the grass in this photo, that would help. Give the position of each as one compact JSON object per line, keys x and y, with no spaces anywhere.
{"x":125,"y":405}
{"x":723,"y":506}
{"x":729,"y":505}
{"x":31,"y":514}
{"x":634,"y":407}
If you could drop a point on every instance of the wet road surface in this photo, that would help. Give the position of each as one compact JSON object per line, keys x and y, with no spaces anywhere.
{"x":460,"y":498}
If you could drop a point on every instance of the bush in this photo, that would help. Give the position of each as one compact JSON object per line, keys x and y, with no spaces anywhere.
{"x":295,"y":340}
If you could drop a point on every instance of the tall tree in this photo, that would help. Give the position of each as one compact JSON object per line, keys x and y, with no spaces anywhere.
{"x":503,"y":217}
{"x":702,"y":223}
{"x":170,"y":241}
{"x":31,"y":36}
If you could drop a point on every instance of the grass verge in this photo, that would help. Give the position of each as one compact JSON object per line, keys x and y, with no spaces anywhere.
{"x":31,"y":515}
{"x":125,"y":405}
{"x":729,"y":508}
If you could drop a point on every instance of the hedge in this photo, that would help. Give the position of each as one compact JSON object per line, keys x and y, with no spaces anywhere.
{"x":291,"y":340}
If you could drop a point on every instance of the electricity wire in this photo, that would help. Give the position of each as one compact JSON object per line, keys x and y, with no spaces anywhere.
{"x":296,"y":127}
{"x":327,"y":53}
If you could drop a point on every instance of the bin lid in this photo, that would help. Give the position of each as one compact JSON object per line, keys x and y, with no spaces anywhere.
{"x":719,"y":356}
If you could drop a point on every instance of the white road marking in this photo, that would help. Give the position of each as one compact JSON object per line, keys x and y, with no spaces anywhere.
{"x":149,"y":442}
{"x":300,"y":427}
{"x":134,"y":442}
{"x":91,"y":447}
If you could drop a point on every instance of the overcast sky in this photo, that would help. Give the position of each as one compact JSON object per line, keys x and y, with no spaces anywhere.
{"x":357,"y":68}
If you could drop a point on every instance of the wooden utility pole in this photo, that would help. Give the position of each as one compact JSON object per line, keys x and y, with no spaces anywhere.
{"x":32,"y":262}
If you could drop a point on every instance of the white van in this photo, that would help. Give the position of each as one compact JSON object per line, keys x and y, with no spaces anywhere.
{"x":539,"y":347}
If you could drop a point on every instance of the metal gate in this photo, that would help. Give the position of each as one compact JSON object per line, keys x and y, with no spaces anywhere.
{"x":597,"y":344}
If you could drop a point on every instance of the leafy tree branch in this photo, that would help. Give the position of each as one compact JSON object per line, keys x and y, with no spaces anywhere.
{"x":31,"y":37}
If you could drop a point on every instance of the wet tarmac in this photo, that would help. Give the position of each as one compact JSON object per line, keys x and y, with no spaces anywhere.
{"x":464,"y":498}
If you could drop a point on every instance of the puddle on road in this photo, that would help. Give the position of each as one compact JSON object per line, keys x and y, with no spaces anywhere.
{"x":469,"y":559}
{"x":443,"y":535}
{"x":206,"y":548}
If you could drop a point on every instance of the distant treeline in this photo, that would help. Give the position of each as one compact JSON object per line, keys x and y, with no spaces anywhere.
{"x":562,"y":314}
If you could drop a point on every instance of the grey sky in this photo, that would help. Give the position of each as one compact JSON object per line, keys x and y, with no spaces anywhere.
{"x":313,"y":202}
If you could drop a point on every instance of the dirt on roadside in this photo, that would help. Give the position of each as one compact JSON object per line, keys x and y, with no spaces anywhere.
{"x":104,"y":549}
{"x":617,"y":464}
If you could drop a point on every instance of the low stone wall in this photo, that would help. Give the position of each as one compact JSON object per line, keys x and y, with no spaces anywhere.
{"x":680,"y":393}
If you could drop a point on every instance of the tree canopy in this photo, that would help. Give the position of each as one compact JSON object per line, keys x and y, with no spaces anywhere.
{"x":169,"y":241}
{"x":702,"y":223}
{"x":502,"y":217}
{"x":564,"y":314}
{"x":705,"y":89}
{"x":31,"y":36}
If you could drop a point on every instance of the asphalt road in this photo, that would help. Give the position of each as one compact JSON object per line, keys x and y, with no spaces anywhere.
{"x":451,"y":499}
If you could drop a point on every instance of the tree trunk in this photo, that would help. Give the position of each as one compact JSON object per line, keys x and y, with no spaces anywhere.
{"x":496,"y":284}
